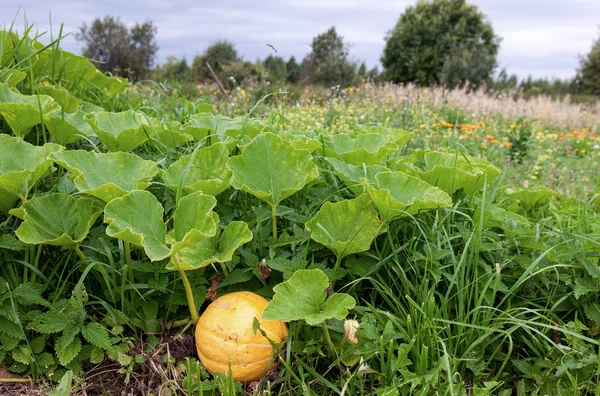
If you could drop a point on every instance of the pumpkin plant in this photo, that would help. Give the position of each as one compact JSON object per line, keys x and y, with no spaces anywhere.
{"x":271,"y":169}
{"x":194,"y":242}
{"x":304,"y":297}
{"x":346,"y":227}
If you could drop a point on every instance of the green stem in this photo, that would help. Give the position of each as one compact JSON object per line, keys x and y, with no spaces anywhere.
{"x":80,"y":254}
{"x":224,"y":268}
{"x":338,"y":261}
{"x":188,"y":290}
{"x":328,"y":342}
{"x":274,"y":221}
{"x":127,"y":251}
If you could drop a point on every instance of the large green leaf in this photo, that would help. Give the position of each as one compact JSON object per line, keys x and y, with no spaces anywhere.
{"x":69,"y":128}
{"x":204,"y":125}
{"x":219,"y":248}
{"x":12,"y":76}
{"x":346,"y":227}
{"x":365,"y":148}
{"x":76,"y":72}
{"x":395,"y":135}
{"x":21,"y":166}
{"x":170,"y":134}
{"x":106,"y":176}
{"x":303,"y":296}
{"x":495,"y":216}
{"x":122,"y":131}
{"x":205,"y":170}
{"x":271,"y":169}
{"x":137,"y":218}
{"x":352,"y":174}
{"x":397,"y":194}
{"x":56,"y":219}
{"x":452,"y":171}
{"x":193,"y":221}
{"x":67,"y":102}
{"x":532,"y":196}
{"x":22,"y":112}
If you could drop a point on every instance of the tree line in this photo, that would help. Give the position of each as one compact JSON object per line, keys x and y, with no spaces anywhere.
{"x":439,"y":42}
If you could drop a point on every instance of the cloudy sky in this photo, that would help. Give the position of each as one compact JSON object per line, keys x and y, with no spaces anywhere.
{"x":543,"y":38}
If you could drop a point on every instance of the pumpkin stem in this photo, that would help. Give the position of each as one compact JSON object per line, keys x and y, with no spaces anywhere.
{"x":338,"y":261}
{"x":188,"y":292}
{"x":328,"y":341}
{"x":274,"y":221}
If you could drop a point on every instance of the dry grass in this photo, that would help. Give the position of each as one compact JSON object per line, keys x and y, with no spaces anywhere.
{"x":547,"y":111}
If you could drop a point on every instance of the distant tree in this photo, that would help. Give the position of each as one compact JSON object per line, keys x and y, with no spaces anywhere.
{"x":122,"y":51}
{"x":174,"y":69}
{"x":275,"y":68}
{"x":435,"y":38}
{"x":219,"y":55}
{"x":504,"y":82}
{"x":328,"y":61}
{"x":588,"y":74}
{"x":361,"y":73}
{"x":373,"y":74}
{"x":238,"y":72}
{"x":293,"y":70}
{"x":463,"y":65}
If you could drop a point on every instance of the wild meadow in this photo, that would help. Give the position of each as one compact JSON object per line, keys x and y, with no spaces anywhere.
{"x":415,"y":241}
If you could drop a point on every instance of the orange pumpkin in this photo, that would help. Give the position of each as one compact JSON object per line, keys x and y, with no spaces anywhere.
{"x":224,"y":336}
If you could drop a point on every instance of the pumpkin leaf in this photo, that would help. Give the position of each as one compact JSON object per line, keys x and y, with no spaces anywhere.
{"x":452,"y":171}
{"x":218,"y":249}
{"x":346,"y":227}
{"x":193,"y":221}
{"x":23,"y":112}
{"x":397,"y":194}
{"x":170,"y":135}
{"x":365,"y":148}
{"x":122,"y":131}
{"x":56,"y":219}
{"x":395,"y":135}
{"x":69,"y":128}
{"x":137,"y":218}
{"x":204,"y":125}
{"x":495,"y":216}
{"x":106,"y":176}
{"x":21,"y":166}
{"x":76,"y":72}
{"x":303,"y":297}
{"x":234,"y":235}
{"x":67,"y":102}
{"x":352,"y":174}
{"x":271,"y":169}
{"x":531,"y":197}
{"x":205,"y":170}
{"x":12,"y":77}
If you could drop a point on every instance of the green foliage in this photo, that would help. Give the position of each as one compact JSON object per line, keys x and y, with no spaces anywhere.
{"x":119,"y":50}
{"x":481,"y":285}
{"x":303,"y":297}
{"x":56,"y":219}
{"x":271,"y":169}
{"x":346,"y":227}
{"x":174,"y":69}
{"x":293,"y":70}
{"x":106,"y":176}
{"x":443,"y":41}
{"x":588,"y":78}
{"x":219,"y":55}
{"x":328,"y":63}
